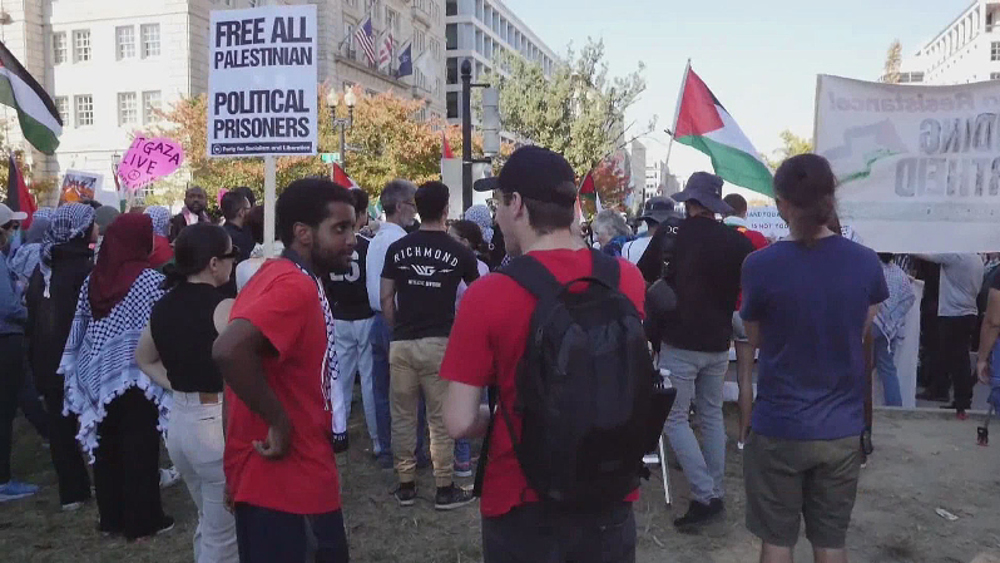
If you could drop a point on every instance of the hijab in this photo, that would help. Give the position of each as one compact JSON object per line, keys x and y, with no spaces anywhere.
{"x":161,"y":219}
{"x":68,"y":223}
{"x":124,"y":255}
{"x":480,"y":215}
{"x":25,"y":258}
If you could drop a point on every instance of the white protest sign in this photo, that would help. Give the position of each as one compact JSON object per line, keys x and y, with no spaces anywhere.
{"x":767,"y":222}
{"x":919,"y":166}
{"x":262,"y":91}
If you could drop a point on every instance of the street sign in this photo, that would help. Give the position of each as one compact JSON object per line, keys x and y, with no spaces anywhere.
{"x":330,"y":157}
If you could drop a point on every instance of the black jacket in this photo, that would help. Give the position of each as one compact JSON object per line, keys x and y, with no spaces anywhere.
{"x":50,"y":319}
{"x":178,"y":222}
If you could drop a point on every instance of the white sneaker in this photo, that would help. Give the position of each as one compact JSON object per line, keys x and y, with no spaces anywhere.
{"x":651,"y":459}
{"x":169,"y":477}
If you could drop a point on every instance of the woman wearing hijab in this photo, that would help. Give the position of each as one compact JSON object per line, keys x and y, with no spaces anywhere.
{"x":162,"y":251}
{"x":175,"y":350}
{"x":118,"y":407}
{"x":24,"y":260}
{"x":65,"y":262}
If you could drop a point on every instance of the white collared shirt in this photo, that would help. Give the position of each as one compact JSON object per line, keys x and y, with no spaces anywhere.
{"x":387,"y":234}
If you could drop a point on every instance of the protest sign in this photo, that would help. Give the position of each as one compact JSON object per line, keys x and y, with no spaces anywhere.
{"x":148,"y":160}
{"x":919,"y":166}
{"x":767,"y":222}
{"x":262,"y":91}
{"x":79,"y":186}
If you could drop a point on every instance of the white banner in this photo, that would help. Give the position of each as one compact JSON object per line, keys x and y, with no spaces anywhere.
{"x":919,"y":166}
{"x":262,"y":82}
{"x":767,"y":222}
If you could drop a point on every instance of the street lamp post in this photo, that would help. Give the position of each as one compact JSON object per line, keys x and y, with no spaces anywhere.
{"x":491,"y":129}
{"x":332,"y":101}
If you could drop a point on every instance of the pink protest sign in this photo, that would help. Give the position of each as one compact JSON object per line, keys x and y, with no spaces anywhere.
{"x":148,"y":160}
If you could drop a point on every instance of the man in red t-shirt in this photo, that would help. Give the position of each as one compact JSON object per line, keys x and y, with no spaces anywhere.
{"x":536,"y":195}
{"x":277,"y":358}
{"x":745,"y":352}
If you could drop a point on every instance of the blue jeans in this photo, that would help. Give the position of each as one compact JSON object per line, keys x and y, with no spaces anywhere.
{"x":885,"y":364}
{"x":463,"y":451}
{"x":698,"y":377}
{"x":381,"y":336}
{"x":354,"y":354}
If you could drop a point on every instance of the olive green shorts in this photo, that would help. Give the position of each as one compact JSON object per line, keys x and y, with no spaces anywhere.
{"x":788,"y":478}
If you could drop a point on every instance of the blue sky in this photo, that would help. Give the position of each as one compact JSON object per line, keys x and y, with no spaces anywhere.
{"x":760,"y":58}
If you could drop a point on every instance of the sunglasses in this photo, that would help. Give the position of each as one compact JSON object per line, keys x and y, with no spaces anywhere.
{"x":233,"y":253}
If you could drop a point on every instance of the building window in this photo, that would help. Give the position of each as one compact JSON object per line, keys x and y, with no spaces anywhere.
{"x":84,"y":106}
{"x":125,"y":42}
{"x":349,"y":37}
{"x":128,"y":113}
{"x":374,"y":8}
{"x":150,"y":40}
{"x":150,"y":105}
{"x":451,"y":7}
{"x":62,"y":106}
{"x":995,"y":51}
{"x":451,"y":101}
{"x":419,"y":40}
{"x":81,"y":45}
{"x":392,"y":20}
{"x":451,"y":36}
{"x":452,"y":69}
{"x":995,"y":76}
{"x":59,"y":50}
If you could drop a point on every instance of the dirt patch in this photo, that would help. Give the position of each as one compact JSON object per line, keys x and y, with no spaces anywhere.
{"x":923,"y":461}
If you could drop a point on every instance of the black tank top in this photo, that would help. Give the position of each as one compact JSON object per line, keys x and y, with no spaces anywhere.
{"x":183,"y":328}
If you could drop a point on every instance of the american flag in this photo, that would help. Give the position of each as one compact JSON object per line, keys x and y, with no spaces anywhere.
{"x":385,"y":50}
{"x":366,"y":38}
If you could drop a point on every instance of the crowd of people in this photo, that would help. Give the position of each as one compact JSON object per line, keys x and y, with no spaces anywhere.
{"x":509,"y":326}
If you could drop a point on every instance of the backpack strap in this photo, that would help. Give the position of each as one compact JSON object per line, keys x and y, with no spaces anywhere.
{"x":530,"y":274}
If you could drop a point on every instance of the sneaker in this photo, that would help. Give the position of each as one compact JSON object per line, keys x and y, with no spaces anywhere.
{"x":651,"y":459}
{"x":13,"y":490}
{"x":452,"y":497}
{"x":72,"y":506}
{"x":961,"y":414}
{"x":169,"y":477}
{"x":699,"y":513}
{"x":385,"y":461}
{"x":166,"y":525}
{"x":463,"y":469}
{"x":406,"y":494}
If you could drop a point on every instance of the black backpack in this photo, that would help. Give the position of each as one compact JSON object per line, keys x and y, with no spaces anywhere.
{"x":584,"y":387}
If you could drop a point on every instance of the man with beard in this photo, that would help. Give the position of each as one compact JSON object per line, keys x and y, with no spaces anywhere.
{"x":277,"y":358}
{"x":195,"y":203}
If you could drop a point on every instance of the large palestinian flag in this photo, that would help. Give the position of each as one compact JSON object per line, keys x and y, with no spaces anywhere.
{"x":703,"y":123}
{"x":37,"y":114}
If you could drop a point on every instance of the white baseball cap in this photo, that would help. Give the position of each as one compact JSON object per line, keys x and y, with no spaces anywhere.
{"x":7,"y":215}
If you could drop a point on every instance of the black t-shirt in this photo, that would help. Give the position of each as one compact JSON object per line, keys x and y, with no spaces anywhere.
{"x":427,"y":267}
{"x":705,"y":274}
{"x":347,"y":292}
{"x":183,"y":328}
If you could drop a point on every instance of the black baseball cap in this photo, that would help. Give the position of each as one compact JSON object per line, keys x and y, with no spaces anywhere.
{"x":535,"y":173}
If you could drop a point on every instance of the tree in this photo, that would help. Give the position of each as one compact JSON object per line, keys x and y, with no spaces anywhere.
{"x":792,"y":145}
{"x":391,"y":142}
{"x":893,"y":61}
{"x":578,"y":111}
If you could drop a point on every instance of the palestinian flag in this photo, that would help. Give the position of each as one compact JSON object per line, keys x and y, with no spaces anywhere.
{"x":703,"y":123}
{"x":341,"y":177}
{"x":588,"y":189}
{"x":37,"y":114}
{"x":18,"y":196}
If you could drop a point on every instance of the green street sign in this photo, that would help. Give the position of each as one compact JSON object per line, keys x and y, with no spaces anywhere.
{"x":330,"y":157}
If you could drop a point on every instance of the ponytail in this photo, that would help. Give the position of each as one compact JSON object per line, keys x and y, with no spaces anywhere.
{"x":807,"y":184}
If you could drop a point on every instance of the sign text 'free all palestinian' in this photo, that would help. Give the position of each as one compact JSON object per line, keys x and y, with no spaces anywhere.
{"x":262,"y":92}
{"x":919,"y":166}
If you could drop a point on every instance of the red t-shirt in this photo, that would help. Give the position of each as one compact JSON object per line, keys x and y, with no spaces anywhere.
{"x":485,"y":346}
{"x":284,"y":305}
{"x":758,"y":240}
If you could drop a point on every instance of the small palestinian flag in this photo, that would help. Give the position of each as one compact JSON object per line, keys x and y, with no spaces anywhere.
{"x":37,"y":114}
{"x":588,"y":189}
{"x":704,"y":124}
{"x":341,"y":177}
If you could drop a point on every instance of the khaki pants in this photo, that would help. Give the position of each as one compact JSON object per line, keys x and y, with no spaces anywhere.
{"x":414,"y":366}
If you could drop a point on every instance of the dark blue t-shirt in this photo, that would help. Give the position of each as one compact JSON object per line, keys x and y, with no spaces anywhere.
{"x":811,"y":304}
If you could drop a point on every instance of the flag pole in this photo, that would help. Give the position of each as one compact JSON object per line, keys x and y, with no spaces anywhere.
{"x":677,"y":112}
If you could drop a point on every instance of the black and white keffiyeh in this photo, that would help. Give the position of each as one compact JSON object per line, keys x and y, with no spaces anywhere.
{"x":330,"y":370}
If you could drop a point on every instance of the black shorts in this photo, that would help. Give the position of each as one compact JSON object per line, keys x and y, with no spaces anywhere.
{"x":267,"y":536}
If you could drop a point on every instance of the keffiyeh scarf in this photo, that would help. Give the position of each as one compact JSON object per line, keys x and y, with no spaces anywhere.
{"x":480,"y":215}
{"x":68,"y":222}
{"x":161,"y":219}
{"x":330,"y":370}
{"x":99,"y":364}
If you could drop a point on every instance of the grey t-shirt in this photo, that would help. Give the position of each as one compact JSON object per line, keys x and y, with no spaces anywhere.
{"x":961,"y":280}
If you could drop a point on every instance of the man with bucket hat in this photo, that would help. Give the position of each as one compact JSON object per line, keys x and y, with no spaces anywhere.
{"x":649,"y":251}
{"x":705,"y":274}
